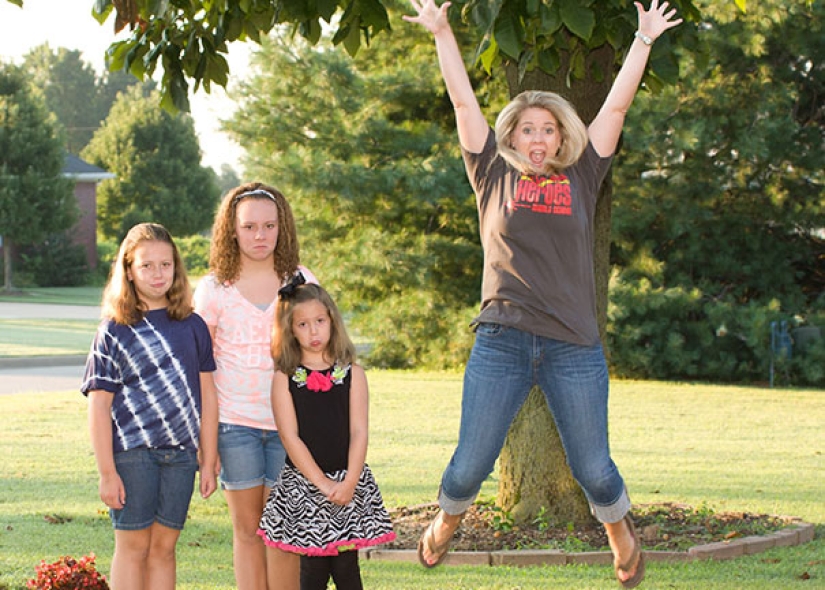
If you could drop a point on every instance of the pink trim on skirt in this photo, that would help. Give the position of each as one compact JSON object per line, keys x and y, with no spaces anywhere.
{"x":330,"y":550}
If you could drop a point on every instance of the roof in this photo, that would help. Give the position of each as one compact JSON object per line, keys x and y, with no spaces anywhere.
{"x":74,"y":167}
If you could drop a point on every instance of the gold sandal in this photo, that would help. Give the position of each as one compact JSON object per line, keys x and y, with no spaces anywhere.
{"x":428,"y":540}
{"x":637,"y":557}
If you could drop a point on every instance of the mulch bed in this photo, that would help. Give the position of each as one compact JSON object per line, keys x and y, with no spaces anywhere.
{"x":663,"y":527}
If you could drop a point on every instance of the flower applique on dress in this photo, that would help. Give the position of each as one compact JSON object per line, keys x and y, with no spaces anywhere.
{"x":318,"y":380}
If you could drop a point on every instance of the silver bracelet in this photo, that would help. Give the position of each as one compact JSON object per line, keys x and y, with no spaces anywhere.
{"x":645,"y":39}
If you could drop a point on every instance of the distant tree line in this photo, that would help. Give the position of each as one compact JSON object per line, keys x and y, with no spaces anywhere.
{"x":111,"y":120}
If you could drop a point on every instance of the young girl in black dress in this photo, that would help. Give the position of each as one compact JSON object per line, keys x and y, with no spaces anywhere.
{"x":326,"y":504}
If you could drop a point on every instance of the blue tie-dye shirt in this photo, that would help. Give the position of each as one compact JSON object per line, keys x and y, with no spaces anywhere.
{"x":153,"y":369}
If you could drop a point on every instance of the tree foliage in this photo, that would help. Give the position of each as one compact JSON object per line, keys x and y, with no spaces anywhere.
{"x":35,"y":200}
{"x":721,"y":211}
{"x":156,"y":158}
{"x":365,"y":151}
{"x":74,"y":92}
{"x":190,"y":40}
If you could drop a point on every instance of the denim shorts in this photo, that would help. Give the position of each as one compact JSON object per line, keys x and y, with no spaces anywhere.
{"x":250,"y":457}
{"x":159,"y":485}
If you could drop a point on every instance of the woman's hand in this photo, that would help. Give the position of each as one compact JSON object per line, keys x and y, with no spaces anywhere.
{"x":655,"y":21}
{"x":430,"y":16}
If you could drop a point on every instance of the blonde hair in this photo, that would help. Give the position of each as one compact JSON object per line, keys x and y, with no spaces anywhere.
{"x":224,"y":253}
{"x":120,"y":299}
{"x":286,"y":351}
{"x":573,"y":131}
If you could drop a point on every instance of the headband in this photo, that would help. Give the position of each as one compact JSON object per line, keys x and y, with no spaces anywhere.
{"x":258,"y":192}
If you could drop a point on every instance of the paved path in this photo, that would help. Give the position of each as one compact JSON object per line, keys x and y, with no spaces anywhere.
{"x":43,"y":374}
{"x":11,"y":311}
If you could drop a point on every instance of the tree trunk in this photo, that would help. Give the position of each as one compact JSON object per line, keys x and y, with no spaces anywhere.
{"x":533,"y":472}
{"x":8,"y":255}
{"x":534,"y":476}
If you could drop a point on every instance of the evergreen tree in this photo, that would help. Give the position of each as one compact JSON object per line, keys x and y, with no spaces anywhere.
{"x":721,"y":201}
{"x":366,"y":153}
{"x":35,"y":199}
{"x":74,"y":92}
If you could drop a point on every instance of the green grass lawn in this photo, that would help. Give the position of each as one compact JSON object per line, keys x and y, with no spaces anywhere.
{"x":57,"y":295}
{"x":726,"y":448}
{"x":45,"y":337}
{"x":48,"y":336}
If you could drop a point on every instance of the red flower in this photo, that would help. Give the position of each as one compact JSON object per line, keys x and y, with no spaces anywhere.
{"x":68,"y":574}
{"x":319,"y":381}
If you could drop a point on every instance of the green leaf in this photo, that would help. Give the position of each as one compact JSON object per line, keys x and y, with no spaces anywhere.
{"x":311,"y":30}
{"x":352,"y":40}
{"x":217,"y":69}
{"x":117,"y":54}
{"x":579,"y":19}
{"x":509,"y":33}
{"x":549,"y":19}
{"x":577,"y":68}
{"x":100,"y":11}
{"x":326,"y":8}
{"x":373,"y":15}
{"x":524,"y":63}
{"x":488,"y":51}
{"x":481,"y":15}
{"x":549,"y":60}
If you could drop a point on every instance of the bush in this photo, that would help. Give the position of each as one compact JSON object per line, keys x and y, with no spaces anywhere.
{"x":677,"y":333}
{"x":106,"y":254}
{"x":195,"y":253}
{"x":194,"y":250}
{"x":412,"y":331}
{"x":57,"y":262}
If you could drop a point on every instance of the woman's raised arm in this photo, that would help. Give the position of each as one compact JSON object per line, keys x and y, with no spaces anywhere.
{"x":470,"y":122}
{"x":606,"y":128}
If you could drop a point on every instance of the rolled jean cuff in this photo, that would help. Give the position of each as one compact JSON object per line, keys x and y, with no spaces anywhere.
{"x":453,"y":507}
{"x":613,"y":512}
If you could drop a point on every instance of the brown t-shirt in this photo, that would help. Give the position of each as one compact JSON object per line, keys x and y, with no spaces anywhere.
{"x":537,"y":236}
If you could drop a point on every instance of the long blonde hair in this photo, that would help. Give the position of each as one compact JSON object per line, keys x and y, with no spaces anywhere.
{"x":572,"y":129}
{"x":224,"y":253}
{"x":120,"y":300}
{"x":286,"y":351}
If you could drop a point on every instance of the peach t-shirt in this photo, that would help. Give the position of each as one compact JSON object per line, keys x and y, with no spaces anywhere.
{"x":242,"y":331}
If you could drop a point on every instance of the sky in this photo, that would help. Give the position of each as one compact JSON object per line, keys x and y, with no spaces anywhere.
{"x":70,"y":24}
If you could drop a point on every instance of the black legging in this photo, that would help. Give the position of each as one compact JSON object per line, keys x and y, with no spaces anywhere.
{"x":343,"y":568}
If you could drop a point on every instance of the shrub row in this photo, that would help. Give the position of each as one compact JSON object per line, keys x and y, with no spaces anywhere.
{"x":683,"y":334}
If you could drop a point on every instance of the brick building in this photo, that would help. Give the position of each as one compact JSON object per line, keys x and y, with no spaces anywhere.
{"x":85,"y":178}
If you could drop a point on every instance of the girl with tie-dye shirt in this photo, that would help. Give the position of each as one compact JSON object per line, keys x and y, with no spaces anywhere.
{"x":152,"y":407}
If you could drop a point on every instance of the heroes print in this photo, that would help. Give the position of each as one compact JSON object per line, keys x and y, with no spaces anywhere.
{"x":543,"y":194}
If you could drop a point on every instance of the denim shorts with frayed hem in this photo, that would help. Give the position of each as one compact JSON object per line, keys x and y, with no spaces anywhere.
{"x":250,"y":457}
{"x":159,"y":485}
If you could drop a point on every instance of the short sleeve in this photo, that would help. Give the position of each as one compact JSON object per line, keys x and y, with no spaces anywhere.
{"x":203,"y":341}
{"x":102,"y":371}
{"x":206,"y":301}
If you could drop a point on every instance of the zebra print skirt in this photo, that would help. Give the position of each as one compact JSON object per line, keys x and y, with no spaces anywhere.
{"x":298,"y":518}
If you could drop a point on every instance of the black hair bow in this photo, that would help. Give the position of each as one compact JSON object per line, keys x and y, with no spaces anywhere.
{"x":289,"y":289}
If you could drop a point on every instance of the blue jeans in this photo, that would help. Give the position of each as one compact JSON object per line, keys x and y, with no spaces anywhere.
{"x":504,"y":365}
